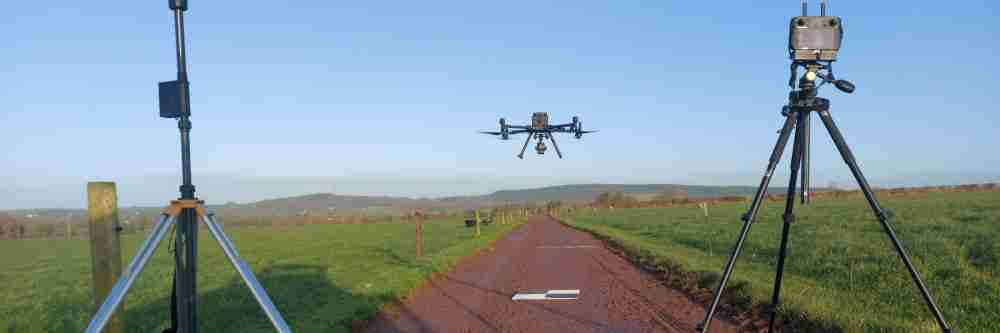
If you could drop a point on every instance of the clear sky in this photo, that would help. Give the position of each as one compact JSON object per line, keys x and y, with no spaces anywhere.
{"x":385,"y":97}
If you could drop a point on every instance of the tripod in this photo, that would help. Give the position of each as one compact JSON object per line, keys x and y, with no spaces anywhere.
{"x":801,"y":103}
{"x":184,"y":213}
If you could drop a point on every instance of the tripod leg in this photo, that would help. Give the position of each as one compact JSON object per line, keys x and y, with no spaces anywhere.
{"x":748,"y":218}
{"x":789,"y":216}
{"x":806,"y":130}
{"x":883,"y":218}
{"x":135,"y":267}
{"x":241,"y":266}
{"x":186,"y":292}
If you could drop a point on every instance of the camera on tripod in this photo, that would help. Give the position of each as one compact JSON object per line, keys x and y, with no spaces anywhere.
{"x":814,"y":38}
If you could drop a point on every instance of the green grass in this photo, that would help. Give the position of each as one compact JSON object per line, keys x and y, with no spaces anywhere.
{"x":842,"y":273}
{"x":323,"y":278}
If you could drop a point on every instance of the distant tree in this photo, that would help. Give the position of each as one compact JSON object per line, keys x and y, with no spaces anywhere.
{"x":618,"y":198}
{"x":836,"y":186}
{"x":47,"y":230}
{"x":603,"y":200}
{"x":670,"y":195}
{"x":553,"y":204}
{"x":7,"y":228}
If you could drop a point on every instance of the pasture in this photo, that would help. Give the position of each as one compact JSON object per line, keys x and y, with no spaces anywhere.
{"x":841,"y":273}
{"x":323,"y":278}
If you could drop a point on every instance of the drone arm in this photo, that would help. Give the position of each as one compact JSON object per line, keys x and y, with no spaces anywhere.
{"x":562,"y":128}
{"x":555,"y":145}
{"x":526,"y":140}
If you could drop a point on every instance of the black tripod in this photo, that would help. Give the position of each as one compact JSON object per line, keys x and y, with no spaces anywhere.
{"x":800,"y":103}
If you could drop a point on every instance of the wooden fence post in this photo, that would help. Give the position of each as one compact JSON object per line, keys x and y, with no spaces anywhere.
{"x":704,"y":207}
{"x":420,"y":233}
{"x":477,"y":223}
{"x":105,"y":248}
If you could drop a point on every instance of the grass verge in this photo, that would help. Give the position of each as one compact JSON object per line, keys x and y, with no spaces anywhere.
{"x":842,"y":274}
{"x":323,"y":278}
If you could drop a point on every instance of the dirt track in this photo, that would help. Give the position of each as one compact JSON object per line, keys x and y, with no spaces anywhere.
{"x":615,"y":296}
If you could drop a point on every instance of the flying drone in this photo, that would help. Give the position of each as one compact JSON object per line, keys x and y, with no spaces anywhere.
{"x":540,"y":130}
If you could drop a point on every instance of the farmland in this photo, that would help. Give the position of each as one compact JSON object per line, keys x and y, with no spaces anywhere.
{"x":842,"y":273}
{"x":324,"y":278}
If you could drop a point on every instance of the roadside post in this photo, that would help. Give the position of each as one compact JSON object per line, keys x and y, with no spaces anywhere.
{"x":477,"y":223}
{"x":105,"y":246}
{"x":704,"y":208}
{"x":420,"y":232}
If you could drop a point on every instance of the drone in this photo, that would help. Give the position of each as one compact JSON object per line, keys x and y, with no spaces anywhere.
{"x":540,"y":130}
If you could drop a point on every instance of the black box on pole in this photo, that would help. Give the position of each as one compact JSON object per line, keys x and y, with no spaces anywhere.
{"x":173,"y":97}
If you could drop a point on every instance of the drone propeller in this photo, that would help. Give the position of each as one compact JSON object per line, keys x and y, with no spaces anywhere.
{"x":580,"y":132}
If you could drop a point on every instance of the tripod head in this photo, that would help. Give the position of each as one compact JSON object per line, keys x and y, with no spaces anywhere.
{"x":817,"y":70}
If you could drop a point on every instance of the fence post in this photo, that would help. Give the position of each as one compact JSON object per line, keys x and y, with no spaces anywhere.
{"x":420,"y":233}
{"x":477,"y":223}
{"x":704,"y":207}
{"x":105,"y":248}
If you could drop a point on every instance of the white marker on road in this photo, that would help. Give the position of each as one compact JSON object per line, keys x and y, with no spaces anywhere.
{"x":542,"y":295}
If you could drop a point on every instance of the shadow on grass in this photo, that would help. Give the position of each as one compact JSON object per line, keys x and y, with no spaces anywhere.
{"x":398,"y":260}
{"x":302,"y":293}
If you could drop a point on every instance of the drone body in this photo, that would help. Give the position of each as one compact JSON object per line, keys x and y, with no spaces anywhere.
{"x":540,"y":130}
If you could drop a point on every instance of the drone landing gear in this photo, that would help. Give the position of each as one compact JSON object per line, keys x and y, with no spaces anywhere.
{"x":555,"y":145}
{"x":525,"y":147}
{"x":540,"y":147}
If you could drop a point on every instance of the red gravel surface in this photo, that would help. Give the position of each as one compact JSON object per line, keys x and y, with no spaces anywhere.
{"x":615,"y":296}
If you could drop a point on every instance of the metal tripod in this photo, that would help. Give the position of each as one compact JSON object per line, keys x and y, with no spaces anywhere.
{"x":185,"y":212}
{"x":177,"y":210}
{"x":801,"y":103}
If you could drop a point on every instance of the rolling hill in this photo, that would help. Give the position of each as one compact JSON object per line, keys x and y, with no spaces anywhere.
{"x":328,"y":203}
{"x":381,"y":205}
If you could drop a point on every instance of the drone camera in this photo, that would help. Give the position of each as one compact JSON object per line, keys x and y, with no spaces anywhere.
{"x":815,"y":38}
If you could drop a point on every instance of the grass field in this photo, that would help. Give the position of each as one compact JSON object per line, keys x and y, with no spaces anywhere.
{"x":842,"y":273}
{"x":323,"y":278}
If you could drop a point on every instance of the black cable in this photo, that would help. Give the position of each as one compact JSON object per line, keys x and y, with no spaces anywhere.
{"x":173,"y":286}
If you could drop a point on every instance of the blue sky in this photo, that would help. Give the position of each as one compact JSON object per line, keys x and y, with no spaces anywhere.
{"x":385,"y":97}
